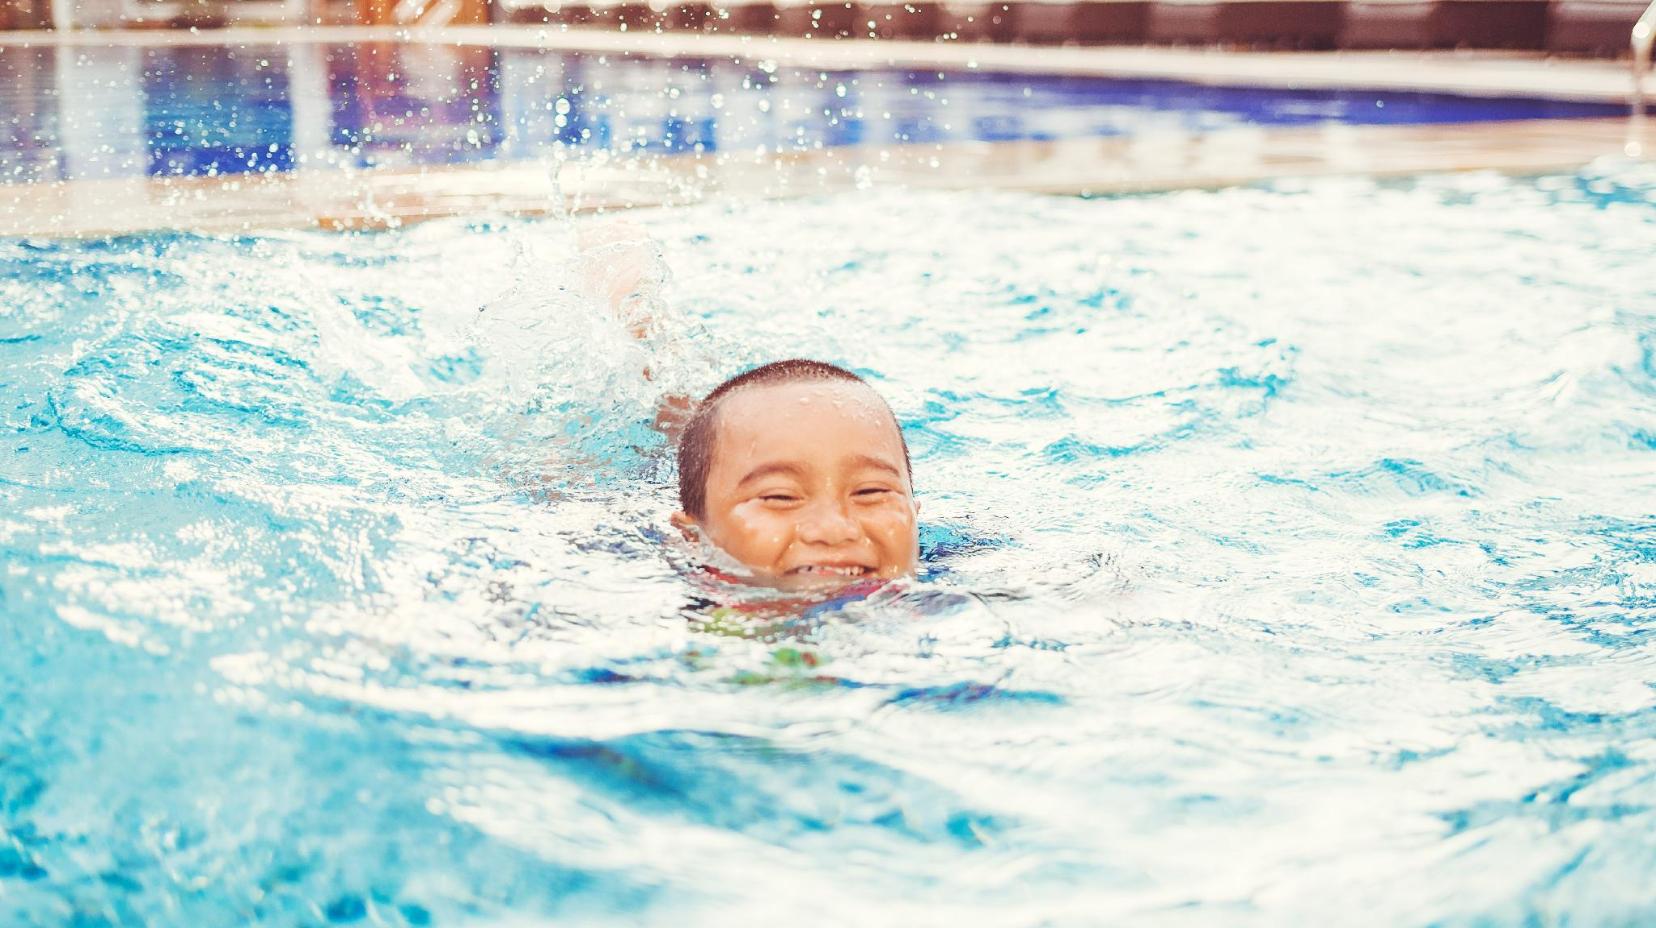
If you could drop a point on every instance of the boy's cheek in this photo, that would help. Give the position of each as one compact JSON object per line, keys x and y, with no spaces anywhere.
{"x":751,"y":520}
{"x":898,"y":517}
{"x":750,"y":532}
{"x":898,"y":534}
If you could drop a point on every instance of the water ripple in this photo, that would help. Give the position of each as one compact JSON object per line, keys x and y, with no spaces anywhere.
{"x":1311,"y":519}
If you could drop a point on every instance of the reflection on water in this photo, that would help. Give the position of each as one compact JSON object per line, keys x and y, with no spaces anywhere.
{"x":28,"y":115}
{"x":123,"y":112}
{"x":429,"y":104}
{"x":216,"y":113}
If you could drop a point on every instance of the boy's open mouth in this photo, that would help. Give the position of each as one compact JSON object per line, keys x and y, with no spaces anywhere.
{"x":831,"y":570}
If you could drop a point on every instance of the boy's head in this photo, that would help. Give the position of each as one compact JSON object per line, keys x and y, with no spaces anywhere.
{"x":798,"y":470}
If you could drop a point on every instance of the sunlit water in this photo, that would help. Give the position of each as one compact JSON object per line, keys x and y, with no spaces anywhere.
{"x":1290,"y":558}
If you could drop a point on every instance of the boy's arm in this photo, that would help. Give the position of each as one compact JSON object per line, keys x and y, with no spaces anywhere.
{"x":673,"y":412}
{"x":622,"y":270}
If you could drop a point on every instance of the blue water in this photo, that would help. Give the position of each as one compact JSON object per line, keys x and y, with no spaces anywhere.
{"x":79,"y":113}
{"x":1269,"y":578}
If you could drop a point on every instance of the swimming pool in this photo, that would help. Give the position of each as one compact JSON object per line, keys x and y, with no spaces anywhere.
{"x":78,"y":113}
{"x":1290,"y":552}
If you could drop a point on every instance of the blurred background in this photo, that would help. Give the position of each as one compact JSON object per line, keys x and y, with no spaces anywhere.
{"x":1574,"y":27}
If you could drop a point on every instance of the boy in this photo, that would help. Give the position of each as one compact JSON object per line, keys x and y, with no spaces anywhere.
{"x":796,"y":469}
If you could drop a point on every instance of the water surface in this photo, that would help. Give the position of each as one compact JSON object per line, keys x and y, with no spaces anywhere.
{"x":1290,"y":552}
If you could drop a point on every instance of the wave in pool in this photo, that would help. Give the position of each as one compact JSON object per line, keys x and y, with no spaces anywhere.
{"x":1288,"y":552}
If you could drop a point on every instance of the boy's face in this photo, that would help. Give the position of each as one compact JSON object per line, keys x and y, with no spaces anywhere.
{"x":807,"y":485}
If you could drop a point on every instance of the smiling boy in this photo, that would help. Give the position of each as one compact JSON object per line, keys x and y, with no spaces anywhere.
{"x":798,"y":470}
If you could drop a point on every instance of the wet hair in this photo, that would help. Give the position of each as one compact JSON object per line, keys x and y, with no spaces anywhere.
{"x":695,"y":450}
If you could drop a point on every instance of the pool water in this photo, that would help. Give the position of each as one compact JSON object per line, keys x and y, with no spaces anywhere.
{"x":1290,"y":552}
{"x":82,"y":113}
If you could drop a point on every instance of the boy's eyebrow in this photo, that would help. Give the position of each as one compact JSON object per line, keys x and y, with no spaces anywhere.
{"x":794,"y":470}
{"x":868,"y":460}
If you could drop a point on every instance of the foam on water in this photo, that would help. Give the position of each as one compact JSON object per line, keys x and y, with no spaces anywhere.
{"x":1290,"y":553}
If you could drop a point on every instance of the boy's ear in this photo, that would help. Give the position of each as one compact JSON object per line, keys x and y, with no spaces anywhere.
{"x":684,"y":523}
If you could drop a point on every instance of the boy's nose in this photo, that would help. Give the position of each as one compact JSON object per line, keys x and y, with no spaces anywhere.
{"x":826,"y":523}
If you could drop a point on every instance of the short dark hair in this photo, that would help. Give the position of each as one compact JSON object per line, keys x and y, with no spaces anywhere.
{"x":695,"y":450}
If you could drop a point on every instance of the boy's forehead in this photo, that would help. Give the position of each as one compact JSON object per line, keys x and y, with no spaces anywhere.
{"x":797,"y":410}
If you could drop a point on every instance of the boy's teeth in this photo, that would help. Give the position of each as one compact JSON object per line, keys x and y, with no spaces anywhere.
{"x":836,"y":571}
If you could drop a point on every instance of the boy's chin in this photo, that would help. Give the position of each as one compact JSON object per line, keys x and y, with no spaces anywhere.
{"x":808,"y":582}
{"x":720,"y":564}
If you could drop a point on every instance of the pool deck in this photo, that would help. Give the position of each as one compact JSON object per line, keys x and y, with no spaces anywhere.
{"x":366,"y":199}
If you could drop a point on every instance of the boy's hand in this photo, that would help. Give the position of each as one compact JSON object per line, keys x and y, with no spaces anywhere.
{"x":621,"y":268}
{"x":673,"y":414}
